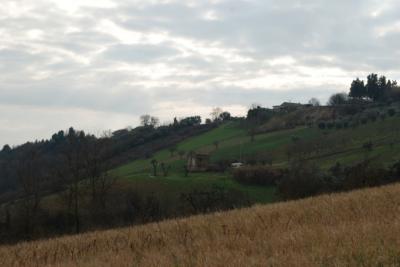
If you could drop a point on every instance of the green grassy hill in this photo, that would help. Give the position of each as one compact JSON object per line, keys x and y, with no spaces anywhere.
{"x":324,"y":147}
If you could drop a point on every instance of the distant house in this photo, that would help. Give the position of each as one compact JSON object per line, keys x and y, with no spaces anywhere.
{"x":288,"y":106}
{"x":198,"y":162}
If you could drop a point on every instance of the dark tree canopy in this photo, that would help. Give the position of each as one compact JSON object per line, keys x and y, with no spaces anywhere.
{"x":259,"y":114}
{"x":373,"y":87}
{"x":358,"y":89}
{"x":337,"y":99}
{"x":224,"y":116}
{"x":6,"y":149}
{"x":377,"y":88}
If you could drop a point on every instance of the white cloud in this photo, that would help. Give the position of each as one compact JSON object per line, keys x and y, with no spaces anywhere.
{"x":101,"y":63}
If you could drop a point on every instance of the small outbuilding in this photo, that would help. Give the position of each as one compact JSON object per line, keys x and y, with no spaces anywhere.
{"x":237,"y":165}
{"x":198,"y":162}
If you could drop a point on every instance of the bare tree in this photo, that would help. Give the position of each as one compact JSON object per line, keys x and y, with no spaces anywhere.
{"x":154,"y":164}
{"x":30,"y":179}
{"x":145,"y":120}
{"x":97,"y":176}
{"x":172,"y":150}
{"x":216,"y":144}
{"x":74,"y":155}
{"x":105,"y":183}
{"x":154,"y":121}
{"x":165,"y":169}
{"x":314,"y":102}
{"x":215,"y":113}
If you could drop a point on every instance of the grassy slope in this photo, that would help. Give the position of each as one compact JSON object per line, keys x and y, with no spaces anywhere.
{"x":138,"y":173}
{"x":360,"y":228}
{"x":234,"y":141}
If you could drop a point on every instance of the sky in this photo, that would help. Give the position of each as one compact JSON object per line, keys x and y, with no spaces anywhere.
{"x":99,"y":64}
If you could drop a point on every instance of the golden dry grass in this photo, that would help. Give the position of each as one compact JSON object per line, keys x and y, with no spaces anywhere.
{"x":361,"y":228}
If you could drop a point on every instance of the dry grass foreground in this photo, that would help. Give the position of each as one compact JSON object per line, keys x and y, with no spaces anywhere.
{"x":361,"y":228}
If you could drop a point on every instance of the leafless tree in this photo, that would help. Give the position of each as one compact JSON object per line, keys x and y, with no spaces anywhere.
{"x":145,"y":120}
{"x":215,"y":113}
{"x":216,"y":144}
{"x":315,"y":102}
{"x":74,"y":155}
{"x":30,"y":179}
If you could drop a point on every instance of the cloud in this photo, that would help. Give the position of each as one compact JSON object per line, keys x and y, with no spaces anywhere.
{"x":139,"y":53}
{"x":100,"y":64}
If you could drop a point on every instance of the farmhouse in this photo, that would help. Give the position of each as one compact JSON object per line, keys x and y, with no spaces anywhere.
{"x":288,"y":106}
{"x":198,"y":162}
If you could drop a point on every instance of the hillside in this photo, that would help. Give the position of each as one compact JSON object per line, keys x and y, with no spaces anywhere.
{"x":360,"y":228}
{"x":322,"y":147}
{"x":296,"y":160}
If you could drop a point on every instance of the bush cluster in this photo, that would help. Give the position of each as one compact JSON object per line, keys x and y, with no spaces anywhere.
{"x":305,"y":180}
{"x":257,"y":175}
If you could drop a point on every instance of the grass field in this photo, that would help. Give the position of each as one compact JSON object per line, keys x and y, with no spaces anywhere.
{"x":360,"y":228}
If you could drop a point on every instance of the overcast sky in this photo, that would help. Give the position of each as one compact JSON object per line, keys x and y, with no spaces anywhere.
{"x":100,"y":64}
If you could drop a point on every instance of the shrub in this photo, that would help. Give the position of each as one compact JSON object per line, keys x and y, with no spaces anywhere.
{"x":322,"y":125}
{"x":391,"y":112}
{"x":372,"y":116}
{"x":301,"y":180}
{"x":364,"y":174}
{"x":368,"y":146}
{"x":364,"y":120}
{"x":257,"y":175}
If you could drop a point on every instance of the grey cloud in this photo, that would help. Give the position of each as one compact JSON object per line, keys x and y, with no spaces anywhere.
{"x":139,"y":53}
{"x":64,"y":68}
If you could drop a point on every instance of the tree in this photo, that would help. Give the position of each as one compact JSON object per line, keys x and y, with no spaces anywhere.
{"x":172,"y":150}
{"x":186,"y":170}
{"x":225,"y":116}
{"x":252,"y":133}
{"x":154,"y":163}
{"x":176,"y":123}
{"x":165,"y":169}
{"x":74,"y":171}
{"x":259,"y":114}
{"x":154,"y":121}
{"x":337,"y":99}
{"x":181,"y":153}
{"x":373,"y":88}
{"x":95,"y":159}
{"x":391,"y":112}
{"x":216,"y":113}
{"x":145,"y":120}
{"x":216,"y":144}
{"x":358,"y":89}
{"x":6,"y":149}
{"x":30,"y":179}
{"x":314,"y":102}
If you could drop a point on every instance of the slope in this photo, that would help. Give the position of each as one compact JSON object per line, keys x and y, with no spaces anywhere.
{"x":360,"y":228}
{"x":324,"y":147}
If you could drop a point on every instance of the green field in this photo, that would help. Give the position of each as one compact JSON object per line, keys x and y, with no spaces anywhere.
{"x":234,"y":143}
